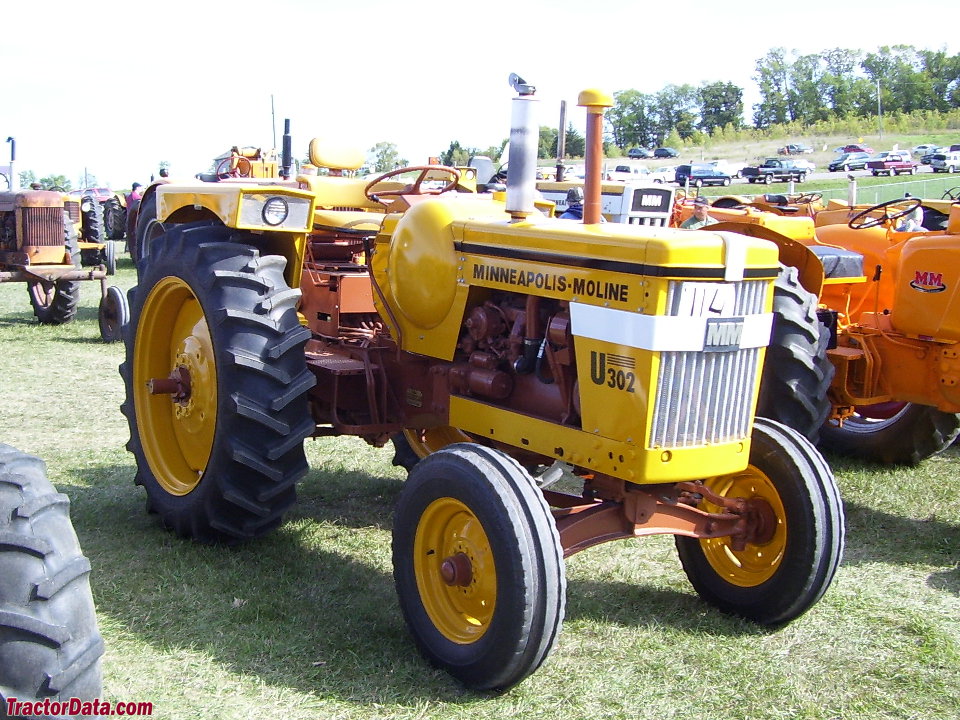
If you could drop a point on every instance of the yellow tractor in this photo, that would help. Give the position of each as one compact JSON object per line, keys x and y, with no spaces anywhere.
{"x":497,"y":348}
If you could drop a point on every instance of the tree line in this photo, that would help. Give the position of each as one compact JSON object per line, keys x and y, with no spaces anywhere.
{"x":795,"y":90}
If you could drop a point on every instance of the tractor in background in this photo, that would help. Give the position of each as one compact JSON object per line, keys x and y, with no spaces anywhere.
{"x":39,"y":246}
{"x":496,"y":348}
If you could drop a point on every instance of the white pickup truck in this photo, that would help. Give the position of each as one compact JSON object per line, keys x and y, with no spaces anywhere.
{"x":625,"y":173}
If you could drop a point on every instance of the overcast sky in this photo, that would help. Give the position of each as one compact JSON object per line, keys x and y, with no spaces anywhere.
{"x":118,"y":87}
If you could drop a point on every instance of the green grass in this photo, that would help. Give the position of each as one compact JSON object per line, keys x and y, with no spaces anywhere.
{"x":304,"y":623}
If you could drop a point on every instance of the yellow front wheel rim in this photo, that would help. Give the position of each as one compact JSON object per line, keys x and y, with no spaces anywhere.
{"x":173,"y":341}
{"x":755,"y":563}
{"x":455,"y":572}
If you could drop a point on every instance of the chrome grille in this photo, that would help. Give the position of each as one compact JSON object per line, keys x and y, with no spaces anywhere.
{"x":706,"y":397}
{"x":42,"y":226}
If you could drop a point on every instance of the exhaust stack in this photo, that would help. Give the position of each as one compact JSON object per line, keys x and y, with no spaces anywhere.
{"x":596,"y":102}
{"x":286,"y":157}
{"x":522,"y":158}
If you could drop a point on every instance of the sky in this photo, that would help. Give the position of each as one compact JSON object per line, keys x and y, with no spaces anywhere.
{"x":112,"y":89}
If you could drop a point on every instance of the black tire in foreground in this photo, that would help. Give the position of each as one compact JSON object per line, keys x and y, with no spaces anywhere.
{"x":50,"y":646}
{"x":478,"y":566}
{"x":214,"y":334}
{"x":797,"y":372}
{"x":908,"y":436}
{"x":779,"y":577}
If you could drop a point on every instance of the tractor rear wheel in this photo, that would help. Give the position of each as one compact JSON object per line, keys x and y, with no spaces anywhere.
{"x":797,"y":372}
{"x":216,"y":385}
{"x":91,"y":220}
{"x":148,"y":228}
{"x":114,"y":218}
{"x":906,"y":436}
{"x":50,"y":646}
{"x":778,"y":579}
{"x":478,"y":566}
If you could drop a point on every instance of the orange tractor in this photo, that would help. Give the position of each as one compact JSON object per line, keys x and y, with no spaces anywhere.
{"x":869,"y":363}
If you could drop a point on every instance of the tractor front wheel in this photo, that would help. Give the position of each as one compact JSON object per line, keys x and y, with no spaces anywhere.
{"x":904,"y":435}
{"x":478,"y":566}
{"x":216,"y":385}
{"x":780,"y":576}
{"x":50,"y":646}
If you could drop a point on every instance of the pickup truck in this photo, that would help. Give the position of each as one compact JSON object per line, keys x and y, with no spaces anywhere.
{"x":893,"y":162}
{"x":773,"y":169}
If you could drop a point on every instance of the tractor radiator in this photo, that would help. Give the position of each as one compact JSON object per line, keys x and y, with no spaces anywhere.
{"x":42,"y":226}
{"x":707,"y":397}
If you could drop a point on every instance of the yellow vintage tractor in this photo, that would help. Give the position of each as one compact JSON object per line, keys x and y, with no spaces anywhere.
{"x":497,"y":348}
{"x":39,"y":246}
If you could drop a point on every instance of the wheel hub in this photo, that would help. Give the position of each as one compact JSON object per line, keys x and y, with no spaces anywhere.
{"x":457,"y":570}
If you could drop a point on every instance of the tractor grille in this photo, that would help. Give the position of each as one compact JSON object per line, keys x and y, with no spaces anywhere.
{"x":42,"y":226}
{"x":73,"y":210}
{"x":707,"y":397}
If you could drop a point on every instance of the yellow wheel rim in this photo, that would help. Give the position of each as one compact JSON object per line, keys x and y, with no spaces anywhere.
{"x":424,"y":442}
{"x":455,"y":572}
{"x":176,"y":435}
{"x":756,"y":563}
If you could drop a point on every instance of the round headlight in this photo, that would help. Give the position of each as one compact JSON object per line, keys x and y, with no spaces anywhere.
{"x":275,"y":211}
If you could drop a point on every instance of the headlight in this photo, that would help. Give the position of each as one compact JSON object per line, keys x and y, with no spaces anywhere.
{"x":275,"y":211}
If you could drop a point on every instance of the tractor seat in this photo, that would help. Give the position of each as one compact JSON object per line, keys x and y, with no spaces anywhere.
{"x":351,"y":222}
{"x":839,"y":263}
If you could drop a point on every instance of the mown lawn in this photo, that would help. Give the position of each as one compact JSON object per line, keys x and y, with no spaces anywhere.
{"x":305,"y":624}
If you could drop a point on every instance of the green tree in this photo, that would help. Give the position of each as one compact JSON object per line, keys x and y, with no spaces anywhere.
{"x":838,"y":79}
{"x":632,"y":119}
{"x":27,"y":177}
{"x":386,"y":157}
{"x":575,"y":143}
{"x":456,"y":155}
{"x":548,"y":142}
{"x":677,"y":110}
{"x":51,"y":182}
{"x":721,"y":105}
{"x":804,"y":95}
{"x":772,"y":81}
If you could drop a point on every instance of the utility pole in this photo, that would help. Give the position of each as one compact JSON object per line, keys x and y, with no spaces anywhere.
{"x":879,"y":110}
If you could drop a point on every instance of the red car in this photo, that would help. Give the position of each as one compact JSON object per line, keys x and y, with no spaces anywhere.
{"x":854,"y":148}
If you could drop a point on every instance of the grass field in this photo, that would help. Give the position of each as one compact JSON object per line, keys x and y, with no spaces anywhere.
{"x":305,"y":624}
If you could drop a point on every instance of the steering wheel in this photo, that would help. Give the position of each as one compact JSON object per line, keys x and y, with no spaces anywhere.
{"x":414,"y":188}
{"x":243,"y":168}
{"x":951,"y":194}
{"x":810,"y":197}
{"x":911,"y":205}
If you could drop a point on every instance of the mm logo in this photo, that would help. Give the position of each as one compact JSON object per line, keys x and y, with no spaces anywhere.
{"x":928,"y":282}
{"x":723,"y":334}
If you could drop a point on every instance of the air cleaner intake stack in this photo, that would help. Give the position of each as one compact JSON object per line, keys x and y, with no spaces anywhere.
{"x":596,"y":102}
{"x":522,"y":158}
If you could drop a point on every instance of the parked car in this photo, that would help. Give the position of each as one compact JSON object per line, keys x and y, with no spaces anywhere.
{"x":795,"y":149}
{"x":850,"y":161}
{"x":925,"y":159}
{"x":733,"y":169}
{"x":892,"y":162}
{"x":665,"y":152}
{"x":925,"y":149}
{"x":948,"y":162}
{"x":700,"y":175}
{"x":639,"y":153}
{"x":854,"y":148}
{"x":808,"y":165}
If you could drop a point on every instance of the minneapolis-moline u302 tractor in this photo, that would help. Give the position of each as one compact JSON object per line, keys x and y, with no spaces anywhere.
{"x":496,"y":347}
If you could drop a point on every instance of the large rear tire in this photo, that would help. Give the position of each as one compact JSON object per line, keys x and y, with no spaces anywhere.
{"x":214,"y":330}
{"x":797,"y":372}
{"x":148,"y":229}
{"x":50,"y":646}
{"x":114,"y":218}
{"x":774,"y":581}
{"x":478,"y":566}
{"x":908,"y":436}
